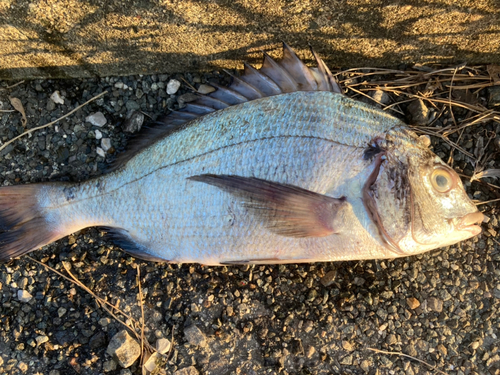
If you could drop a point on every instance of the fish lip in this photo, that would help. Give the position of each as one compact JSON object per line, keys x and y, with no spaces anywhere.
{"x":469,"y":223}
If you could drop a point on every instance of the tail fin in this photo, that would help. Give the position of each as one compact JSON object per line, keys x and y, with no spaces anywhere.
{"x":23,"y":227}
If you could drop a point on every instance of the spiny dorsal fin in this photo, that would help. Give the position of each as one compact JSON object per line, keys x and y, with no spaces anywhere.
{"x":273,"y":78}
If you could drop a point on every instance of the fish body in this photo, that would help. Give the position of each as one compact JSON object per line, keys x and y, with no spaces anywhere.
{"x":296,"y":176}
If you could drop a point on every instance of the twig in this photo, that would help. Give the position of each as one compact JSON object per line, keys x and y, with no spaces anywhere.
{"x":142,"y":313}
{"x":485,"y":202}
{"x":52,"y":122}
{"x":408,"y":356}
{"x":12,"y":86}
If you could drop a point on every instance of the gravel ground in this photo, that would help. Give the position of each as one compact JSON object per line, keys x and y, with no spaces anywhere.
{"x":441,"y":307}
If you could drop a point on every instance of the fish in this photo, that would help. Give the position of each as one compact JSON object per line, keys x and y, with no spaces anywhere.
{"x":278,"y":167}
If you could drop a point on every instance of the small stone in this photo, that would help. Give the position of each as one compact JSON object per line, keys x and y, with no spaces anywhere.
{"x":125,"y":371}
{"x":308,"y":326}
{"x":24,"y":296}
{"x":195,"y":336}
{"x":347,"y":360}
{"x":413,"y":303}
{"x":359,"y":281}
{"x":132,"y":105}
{"x":442,"y":349}
{"x":435,"y":304}
{"x":96,"y":119}
{"x":173,"y":86}
{"x":23,"y":366}
{"x":133,"y":122}
{"x":419,"y":112}
{"x":124,"y":349}
{"x":186,"y":98}
{"x":61,"y":311}
{"x":98,"y":134}
{"x":163,"y":346}
{"x":100,"y":152}
{"x":191,"y":370}
{"x":310,"y":351}
{"x":121,"y":85}
{"x":57,"y":98}
{"x":205,"y":89}
{"x":365,"y":365}
{"x":105,"y":144}
{"x":391,"y":339}
{"x":54,"y":372}
{"x":152,"y":362}
{"x":380,"y":96}
{"x":329,"y":278}
{"x":41,"y":339}
{"x":347,"y":346}
{"x":109,"y":365}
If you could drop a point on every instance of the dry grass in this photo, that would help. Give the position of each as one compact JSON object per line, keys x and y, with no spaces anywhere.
{"x":446,"y":91}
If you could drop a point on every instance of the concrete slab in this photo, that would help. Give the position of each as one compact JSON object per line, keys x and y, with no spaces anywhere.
{"x":84,"y":38}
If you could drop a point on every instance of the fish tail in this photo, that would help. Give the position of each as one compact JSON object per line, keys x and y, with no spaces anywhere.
{"x":23,"y":222}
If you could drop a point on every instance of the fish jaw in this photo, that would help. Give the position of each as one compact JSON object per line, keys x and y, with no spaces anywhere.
{"x":468,"y":223}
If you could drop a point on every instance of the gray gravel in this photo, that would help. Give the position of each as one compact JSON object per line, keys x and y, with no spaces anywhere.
{"x":441,"y":307}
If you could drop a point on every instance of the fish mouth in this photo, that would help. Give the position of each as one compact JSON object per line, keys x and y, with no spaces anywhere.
{"x":469,"y":223}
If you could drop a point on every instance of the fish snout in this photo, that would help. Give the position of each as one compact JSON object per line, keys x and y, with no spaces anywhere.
{"x":469,"y":221}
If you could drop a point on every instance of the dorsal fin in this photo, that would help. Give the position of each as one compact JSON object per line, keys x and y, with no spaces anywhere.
{"x":273,"y":78}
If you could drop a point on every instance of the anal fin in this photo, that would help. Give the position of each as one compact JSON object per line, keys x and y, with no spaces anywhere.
{"x":122,"y":238}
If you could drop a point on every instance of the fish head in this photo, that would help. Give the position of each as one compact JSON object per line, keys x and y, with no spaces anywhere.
{"x":421,"y":201}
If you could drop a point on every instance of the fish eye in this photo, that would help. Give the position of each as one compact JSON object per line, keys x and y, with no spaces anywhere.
{"x":442,"y":180}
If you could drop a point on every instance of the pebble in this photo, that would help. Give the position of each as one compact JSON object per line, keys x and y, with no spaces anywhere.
{"x":163,"y":345}
{"x":205,"y":89}
{"x":124,"y":349}
{"x":100,"y":152}
{"x":173,"y":86}
{"x":105,"y":144}
{"x":98,"y":134}
{"x":109,"y":365}
{"x":413,"y":303}
{"x":195,"y":336}
{"x":96,"y":119}
{"x":133,"y":122}
{"x":152,"y":362}
{"x":191,"y":370}
{"x":310,"y":351}
{"x":380,"y":96}
{"x":56,"y":98}
{"x":329,"y":278}
{"x":435,"y":304}
{"x":419,"y":112}
{"x":24,"y":296}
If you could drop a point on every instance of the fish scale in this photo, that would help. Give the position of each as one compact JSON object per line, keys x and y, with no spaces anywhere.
{"x":305,"y":174}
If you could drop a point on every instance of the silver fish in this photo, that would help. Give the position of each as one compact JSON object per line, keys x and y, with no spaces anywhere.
{"x":280,"y":167}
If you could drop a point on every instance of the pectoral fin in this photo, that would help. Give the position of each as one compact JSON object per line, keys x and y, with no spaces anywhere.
{"x":285,"y":209}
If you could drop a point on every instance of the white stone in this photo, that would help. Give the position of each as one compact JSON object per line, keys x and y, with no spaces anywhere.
{"x":98,"y":134}
{"x":163,"y":346}
{"x":96,"y":119}
{"x":172,"y":86}
{"x":100,"y":152}
{"x":124,"y":349}
{"x":105,"y":144}
{"x":57,"y":98}
{"x":205,"y":89}
{"x":24,"y":296}
{"x":152,"y":362}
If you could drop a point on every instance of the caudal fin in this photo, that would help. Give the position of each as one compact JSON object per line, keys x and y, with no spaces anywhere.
{"x":23,"y":227}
